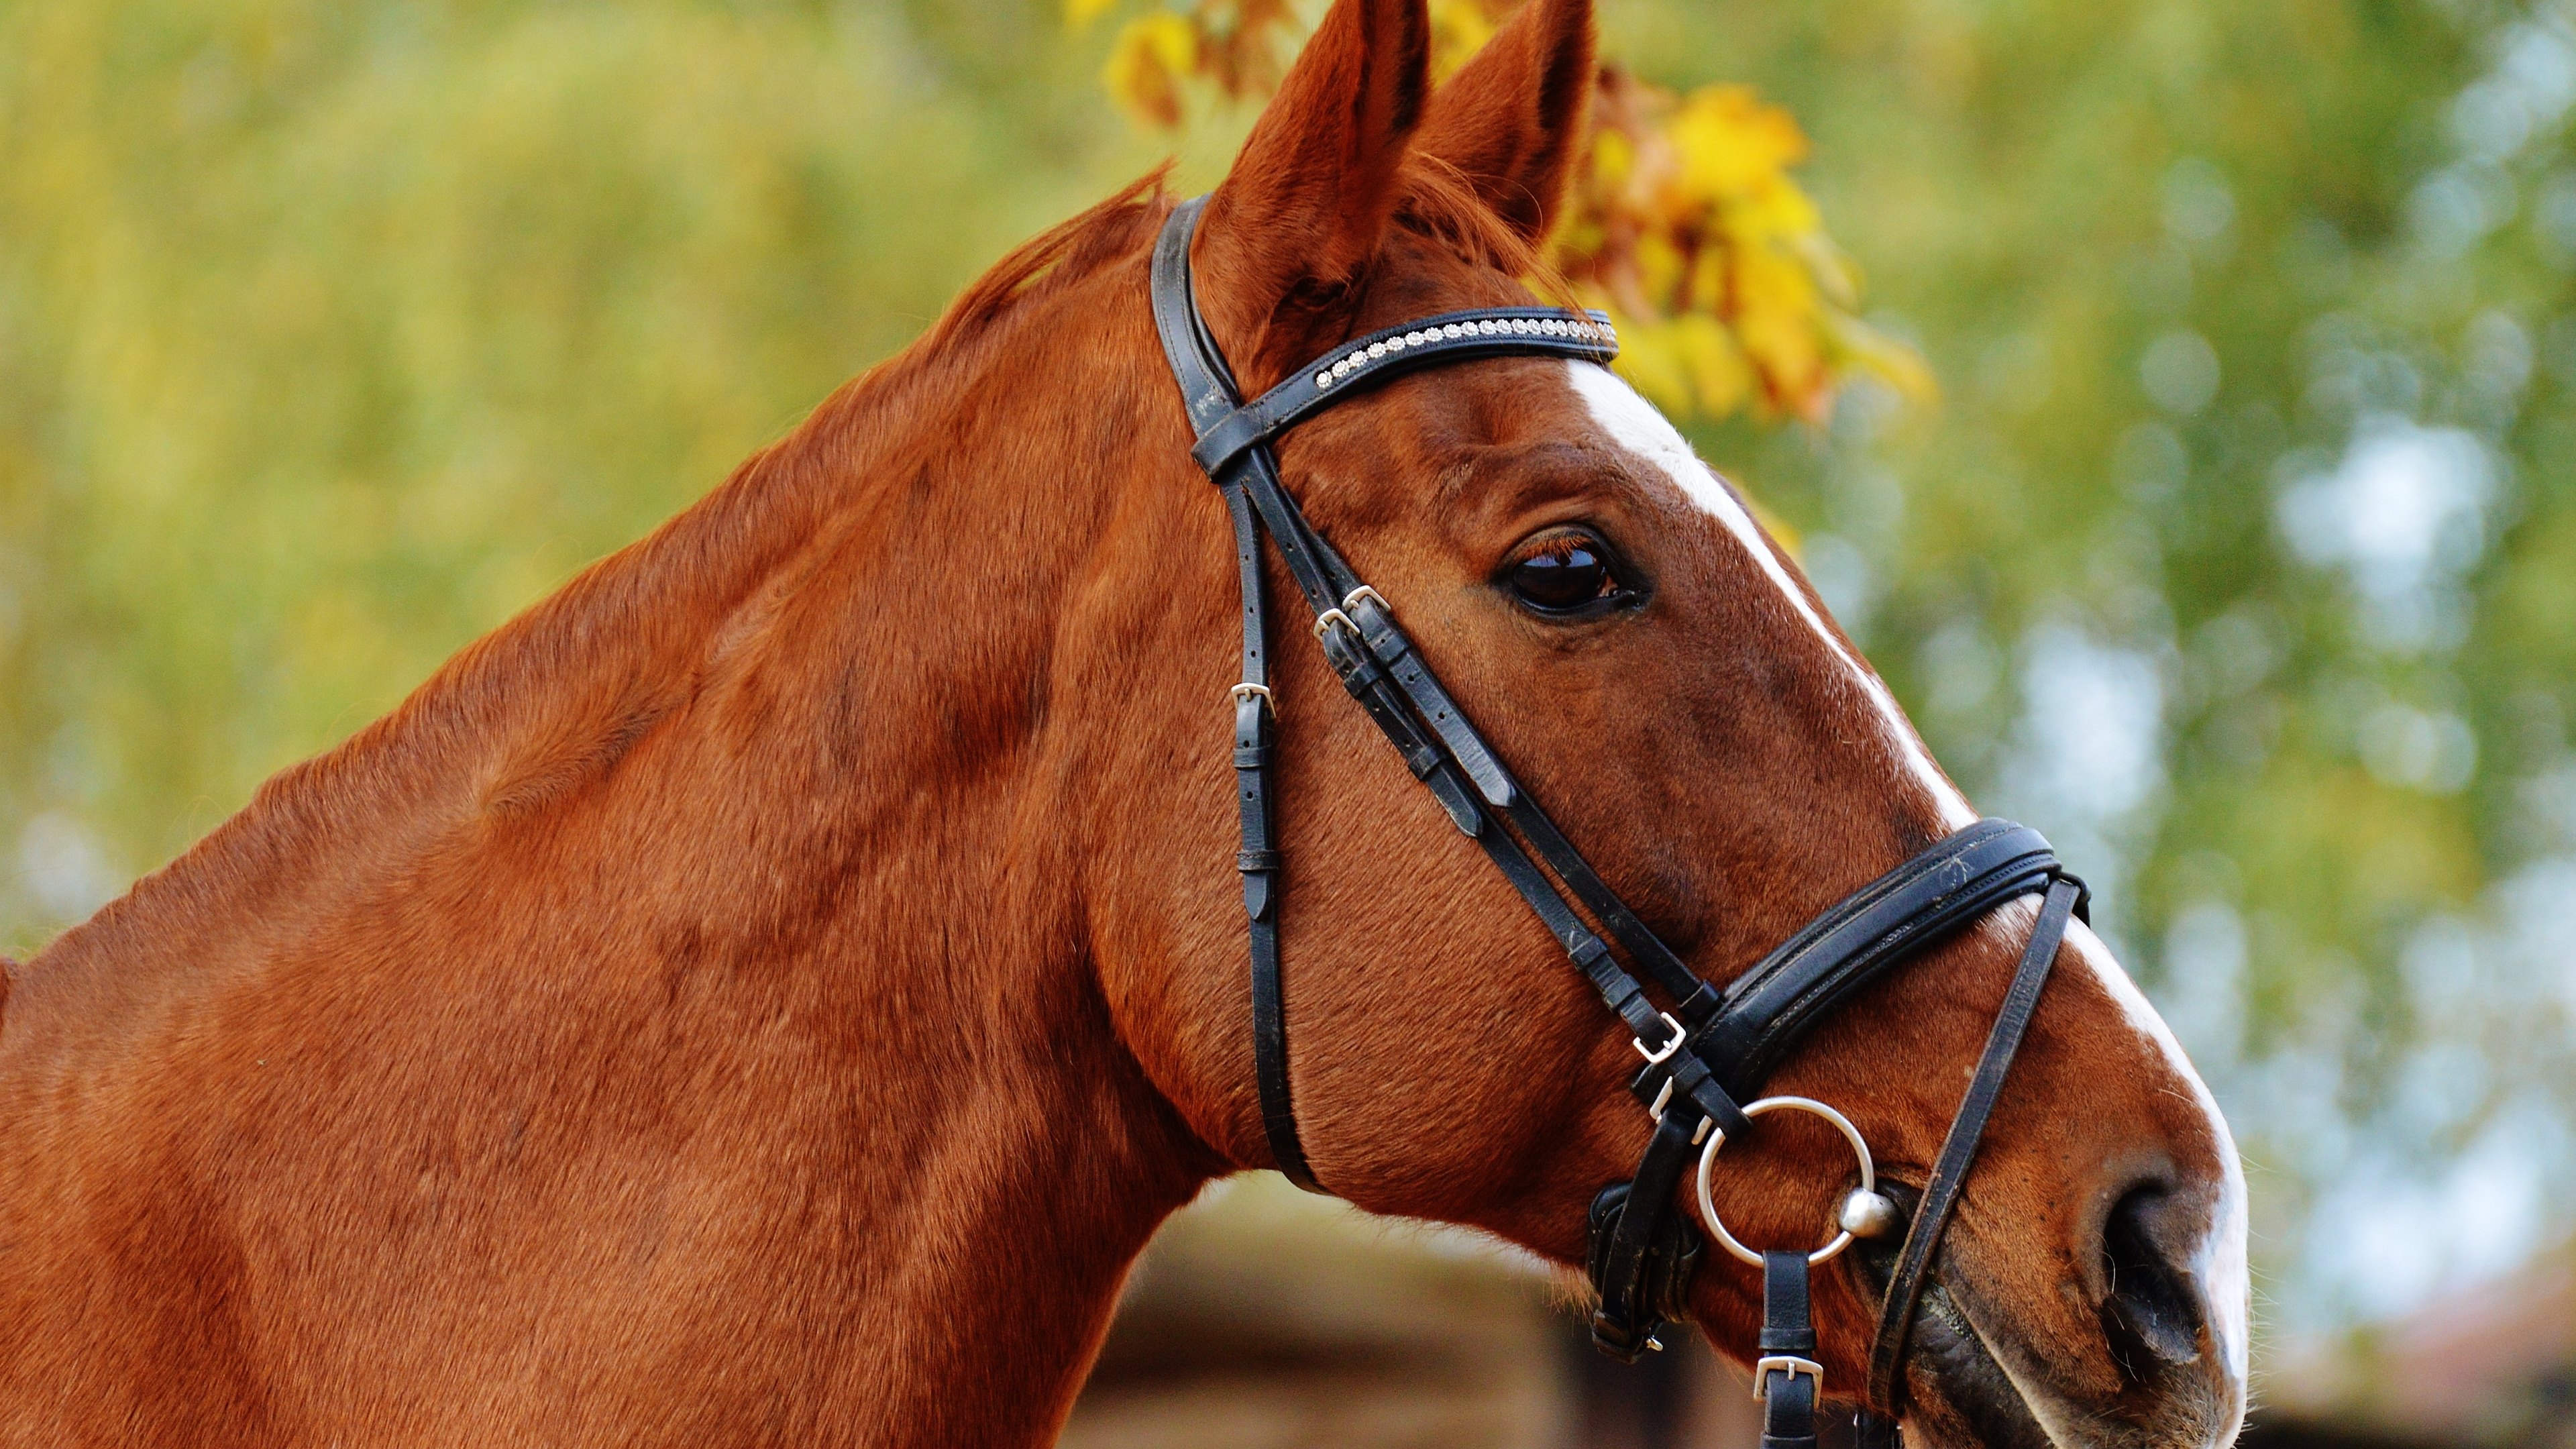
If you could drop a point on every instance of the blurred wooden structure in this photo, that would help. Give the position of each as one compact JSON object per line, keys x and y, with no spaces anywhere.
{"x":1263,"y":1318}
{"x":2490,"y":1367}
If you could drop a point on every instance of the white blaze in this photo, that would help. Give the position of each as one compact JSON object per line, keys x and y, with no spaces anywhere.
{"x":2220,"y":1264}
{"x":1635,"y":424}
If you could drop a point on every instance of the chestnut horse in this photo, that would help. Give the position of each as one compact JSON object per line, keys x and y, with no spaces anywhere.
{"x":770,"y":991}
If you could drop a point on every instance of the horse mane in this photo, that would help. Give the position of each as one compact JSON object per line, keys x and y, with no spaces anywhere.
{"x":1441,"y":203}
{"x":1057,"y":257}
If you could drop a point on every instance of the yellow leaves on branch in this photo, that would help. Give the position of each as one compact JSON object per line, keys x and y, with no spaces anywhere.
{"x":1237,"y":48}
{"x":1686,"y":225}
{"x":1146,"y":64}
{"x":1683,"y":221}
{"x":1460,"y":28}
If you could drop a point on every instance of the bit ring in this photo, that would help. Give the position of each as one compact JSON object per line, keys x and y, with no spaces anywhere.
{"x":1717,"y":1139}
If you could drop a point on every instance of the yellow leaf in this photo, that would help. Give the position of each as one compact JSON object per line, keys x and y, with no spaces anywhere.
{"x":1720,"y":379}
{"x":1772,"y":206}
{"x":1861,"y":346}
{"x":1079,"y":13}
{"x":1730,"y":142}
{"x":1146,"y":63}
{"x":1613,"y":157}
{"x":1660,"y":265}
{"x":1650,"y":357}
{"x":1459,"y":28}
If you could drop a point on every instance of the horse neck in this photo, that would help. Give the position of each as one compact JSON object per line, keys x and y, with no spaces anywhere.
{"x":780,"y":796}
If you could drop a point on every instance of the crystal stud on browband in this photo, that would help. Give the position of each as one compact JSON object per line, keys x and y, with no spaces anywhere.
{"x":1490,"y":327}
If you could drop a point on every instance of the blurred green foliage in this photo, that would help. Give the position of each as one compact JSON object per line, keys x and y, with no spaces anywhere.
{"x":2239,"y":552}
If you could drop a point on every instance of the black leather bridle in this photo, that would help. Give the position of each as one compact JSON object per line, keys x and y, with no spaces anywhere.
{"x":1712,"y":1050}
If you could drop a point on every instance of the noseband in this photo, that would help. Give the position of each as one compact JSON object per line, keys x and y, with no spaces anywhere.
{"x":1707,"y":1056}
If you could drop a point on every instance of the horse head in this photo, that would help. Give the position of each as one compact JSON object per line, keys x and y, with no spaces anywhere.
{"x":1654,"y":668}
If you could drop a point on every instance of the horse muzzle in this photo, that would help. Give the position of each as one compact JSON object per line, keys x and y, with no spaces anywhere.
{"x":2145,"y":1368}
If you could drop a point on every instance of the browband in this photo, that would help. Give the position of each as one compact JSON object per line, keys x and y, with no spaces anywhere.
{"x":1449,"y":337}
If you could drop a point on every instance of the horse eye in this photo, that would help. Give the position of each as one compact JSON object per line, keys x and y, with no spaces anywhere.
{"x":1567,"y":572}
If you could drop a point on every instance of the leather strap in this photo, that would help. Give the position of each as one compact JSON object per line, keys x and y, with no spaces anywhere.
{"x":1788,"y":1393}
{"x":1957,"y":880}
{"x":1259,"y":861}
{"x":1208,"y":390}
{"x":1958,"y":1154}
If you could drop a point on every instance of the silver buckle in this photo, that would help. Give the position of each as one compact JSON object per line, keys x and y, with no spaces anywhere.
{"x":1365,"y":592}
{"x":1327,"y":619}
{"x":1657,"y":1057}
{"x":1243,"y":691}
{"x":1790,"y":1364}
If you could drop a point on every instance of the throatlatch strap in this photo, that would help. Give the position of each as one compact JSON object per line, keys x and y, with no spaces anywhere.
{"x":1259,"y":860}
{"x":1885,"y":1405}
{"x":1790,"y":1381}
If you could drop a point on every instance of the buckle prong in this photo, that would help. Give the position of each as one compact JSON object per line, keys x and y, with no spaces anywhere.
{"x":1657,"y":1056}
{"x":1790,"y":1364}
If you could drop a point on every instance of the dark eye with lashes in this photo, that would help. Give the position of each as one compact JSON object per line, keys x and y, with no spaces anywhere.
{"x":1565,"y":573}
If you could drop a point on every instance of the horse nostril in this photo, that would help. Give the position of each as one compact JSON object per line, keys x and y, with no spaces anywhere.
{"x":2152,"y":1314}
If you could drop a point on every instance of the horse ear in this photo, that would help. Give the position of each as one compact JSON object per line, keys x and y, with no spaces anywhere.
{"x":1286,"y":235}
{"x":1512,"y":119}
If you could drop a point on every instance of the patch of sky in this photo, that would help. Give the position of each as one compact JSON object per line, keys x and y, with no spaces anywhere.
{"x":2150,"y":462}
{"x":2524,"y":94}
{"x":2199,"y":206}
{"x":2202,"y":989}
{"x":2088,"y":749}
{"x":2496,"y":361}
{"x":2456,"y":207}
{"x":2432,"y":750}
{"x":1843,"y":579}
{"x":2404,"y":515}
{"x":2388,"y":1235}
{"x":62,"y":869}
{"x":1961,"y":668}
{"x":2353,"y":373}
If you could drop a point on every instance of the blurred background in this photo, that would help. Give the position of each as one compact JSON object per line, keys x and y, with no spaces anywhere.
{"x":2176,"y":398}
